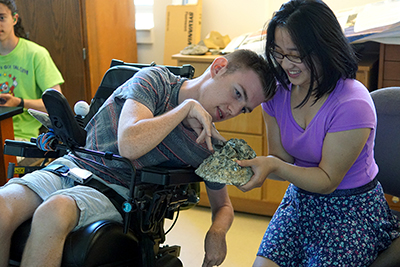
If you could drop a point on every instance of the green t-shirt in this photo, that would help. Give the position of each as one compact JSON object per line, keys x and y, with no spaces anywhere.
{"x":27,"y":72}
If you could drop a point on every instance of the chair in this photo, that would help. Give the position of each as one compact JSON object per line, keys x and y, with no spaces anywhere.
{"x":387,"y":140}
{"x":157,"y":194}
{"x":387,"y":156}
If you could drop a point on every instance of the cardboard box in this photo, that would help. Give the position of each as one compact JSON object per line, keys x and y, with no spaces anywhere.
{"x":183,"y":28}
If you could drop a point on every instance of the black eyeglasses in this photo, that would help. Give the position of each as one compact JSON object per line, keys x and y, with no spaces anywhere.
{"x":291,"y":58}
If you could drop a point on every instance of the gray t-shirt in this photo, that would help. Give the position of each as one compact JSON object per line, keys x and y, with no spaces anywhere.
{"x":158,"y":89}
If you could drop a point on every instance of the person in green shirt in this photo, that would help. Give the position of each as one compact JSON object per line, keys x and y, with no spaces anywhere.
{"x":26,"y":71}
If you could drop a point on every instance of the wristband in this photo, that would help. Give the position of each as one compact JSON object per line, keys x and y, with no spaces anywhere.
{"x":21,"y":104}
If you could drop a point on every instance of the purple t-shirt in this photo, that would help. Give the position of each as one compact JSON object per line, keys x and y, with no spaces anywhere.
{"x":348,"y":107}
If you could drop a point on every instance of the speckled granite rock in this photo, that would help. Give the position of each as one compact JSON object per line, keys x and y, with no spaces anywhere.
{"x":221,"y":166}
{"x":194,"y":50}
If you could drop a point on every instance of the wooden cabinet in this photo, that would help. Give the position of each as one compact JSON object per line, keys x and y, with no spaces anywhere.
{"x":82,"y":37}
{"x":389,"y":66}
{"x":251,"y":128}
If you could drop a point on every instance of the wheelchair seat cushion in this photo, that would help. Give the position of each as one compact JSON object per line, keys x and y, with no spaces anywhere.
{"x":89,"y":245}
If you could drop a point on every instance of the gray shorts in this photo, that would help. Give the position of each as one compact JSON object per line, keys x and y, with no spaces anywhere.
{"x":92,"y":204}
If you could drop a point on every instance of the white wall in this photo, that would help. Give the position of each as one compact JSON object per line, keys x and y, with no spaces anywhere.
{"x":228,"y":17}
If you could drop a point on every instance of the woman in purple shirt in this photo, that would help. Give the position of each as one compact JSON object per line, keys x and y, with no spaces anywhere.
{"x":321,"y":128}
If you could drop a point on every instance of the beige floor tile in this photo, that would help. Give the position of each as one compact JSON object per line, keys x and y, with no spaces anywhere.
{"x":243,"y":238}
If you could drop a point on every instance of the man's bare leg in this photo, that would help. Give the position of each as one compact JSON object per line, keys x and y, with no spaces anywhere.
{"x":51,"y":224}
{"x":17,"y":204}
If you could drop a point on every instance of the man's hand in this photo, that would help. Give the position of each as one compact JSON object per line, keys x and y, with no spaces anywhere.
{"x":201,"y":122}
{"x":215,"y":249}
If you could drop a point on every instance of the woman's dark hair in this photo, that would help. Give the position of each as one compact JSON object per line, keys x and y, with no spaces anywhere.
{"x":18,"y":28}
{"x":319,"y":38}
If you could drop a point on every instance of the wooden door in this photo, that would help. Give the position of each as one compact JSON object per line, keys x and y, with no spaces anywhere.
{"x":57,"y":25}
{"x":111,"y":34}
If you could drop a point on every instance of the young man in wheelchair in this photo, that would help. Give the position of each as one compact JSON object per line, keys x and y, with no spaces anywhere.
{"x":154,"y":118}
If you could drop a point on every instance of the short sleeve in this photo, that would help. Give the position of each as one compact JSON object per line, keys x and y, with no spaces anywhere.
{"x":47,"y":73}
{"x":354,"y":114}
{"x":148,"y":86}
{"x":267,"y":107}
{"x":276,"y":105}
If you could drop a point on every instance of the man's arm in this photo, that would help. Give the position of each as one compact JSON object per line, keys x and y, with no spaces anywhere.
{"x":222,"y":218}
{"x":139,"y":131}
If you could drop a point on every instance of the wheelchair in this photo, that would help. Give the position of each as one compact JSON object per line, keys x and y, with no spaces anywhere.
{"x":155,"y":194}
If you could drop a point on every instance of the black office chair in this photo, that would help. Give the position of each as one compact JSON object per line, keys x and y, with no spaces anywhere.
{"x":156,"y":193}
{"x":387,"y":156}
{"x":387,"y":140}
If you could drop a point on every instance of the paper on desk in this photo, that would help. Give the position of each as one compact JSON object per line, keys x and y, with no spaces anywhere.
{"x":377,"y":15}
{"x":391,"y":36}
{"x":254,"y":41}
{"x":377,"y":22}
{"x":235,"y":43}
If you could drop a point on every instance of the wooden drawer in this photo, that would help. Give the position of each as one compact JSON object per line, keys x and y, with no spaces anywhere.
{"x":389,"y":66}
{"x":274,"y":190}
{"x":254,"y":194}
{"x":392,"y":53}
{"x":245,"y":123}
{"x":391,"y":70}
{"x":390,"y":83}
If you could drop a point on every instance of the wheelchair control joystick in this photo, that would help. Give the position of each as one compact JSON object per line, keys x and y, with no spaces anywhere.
{"x":81,"y":109}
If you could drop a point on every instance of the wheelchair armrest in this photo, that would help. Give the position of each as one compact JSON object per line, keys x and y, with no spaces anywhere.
{"x":28,"y":150}
{"x":168,"y":175}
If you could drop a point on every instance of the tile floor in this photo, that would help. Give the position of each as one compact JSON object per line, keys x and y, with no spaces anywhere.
{"x":243,"y":238}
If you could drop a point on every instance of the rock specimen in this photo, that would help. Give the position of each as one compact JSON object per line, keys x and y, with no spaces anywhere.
{"x":221,"y":167}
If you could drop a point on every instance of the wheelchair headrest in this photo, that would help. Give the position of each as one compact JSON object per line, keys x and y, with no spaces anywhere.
{"x":65,"y":126}
{"x":185,"y":70}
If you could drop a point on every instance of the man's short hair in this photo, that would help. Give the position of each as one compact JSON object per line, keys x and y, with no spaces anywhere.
{"x":246,"y":59}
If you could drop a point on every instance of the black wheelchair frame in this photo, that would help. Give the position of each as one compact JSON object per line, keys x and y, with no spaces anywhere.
{"x":155,"y":193}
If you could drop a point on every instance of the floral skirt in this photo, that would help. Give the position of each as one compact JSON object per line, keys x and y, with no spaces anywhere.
{"x":348,"y":227}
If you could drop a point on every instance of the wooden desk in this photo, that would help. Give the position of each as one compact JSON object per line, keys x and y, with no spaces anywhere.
{"x":6,"y":132}
{"x":389,"y":65}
